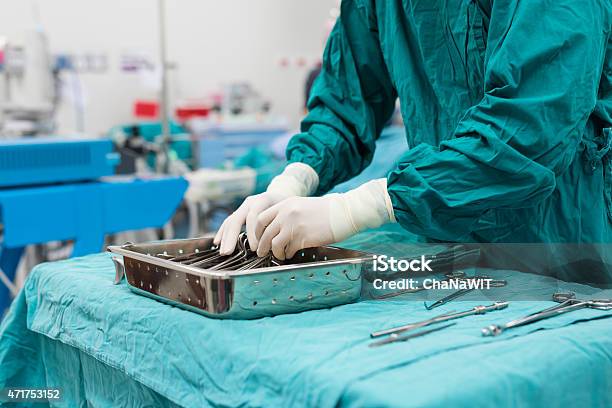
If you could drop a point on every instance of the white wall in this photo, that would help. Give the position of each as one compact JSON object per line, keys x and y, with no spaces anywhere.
{"x":211,"y":41}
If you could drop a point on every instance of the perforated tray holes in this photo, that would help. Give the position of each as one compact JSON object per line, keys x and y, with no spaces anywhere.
{"x":196,"y":294}
{"x":143,"y":275}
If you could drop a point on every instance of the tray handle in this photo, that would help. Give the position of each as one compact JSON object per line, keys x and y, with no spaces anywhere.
{"x":119,"y":270}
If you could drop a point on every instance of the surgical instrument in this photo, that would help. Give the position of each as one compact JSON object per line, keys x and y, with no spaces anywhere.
{"x":242,"y":258}
{"x":567,"y":303}
{"x":394,"y":338}
{"x":398,"y":293}
{"x":441,"y":318}
{"x":487,"y":281}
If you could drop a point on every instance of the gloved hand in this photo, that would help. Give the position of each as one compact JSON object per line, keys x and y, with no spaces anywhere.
{"x":293,"y":224}
{"x":296,"y":180}
{"x":247,"y":213}
{"x":305,"y":222}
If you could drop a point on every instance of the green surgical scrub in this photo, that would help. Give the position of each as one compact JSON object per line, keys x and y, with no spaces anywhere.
{"x":507,"y":106}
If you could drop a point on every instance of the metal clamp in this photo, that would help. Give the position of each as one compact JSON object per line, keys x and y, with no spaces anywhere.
{"x":491,"y":283}
{"x":567,"y":303}
{"x":442,"y":318}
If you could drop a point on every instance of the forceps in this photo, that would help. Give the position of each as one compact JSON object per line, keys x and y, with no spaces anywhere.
{"x":242,"y":258}
{"x":492,"y":283}
{"x":394,"y":294}
{"x":567,"y":303}
{"x":394,"y":338}
{"x":195,"y":256}
{"x":241,"y":255}
{"x":441,"y":318}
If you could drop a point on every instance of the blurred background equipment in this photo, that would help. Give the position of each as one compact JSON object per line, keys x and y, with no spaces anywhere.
{"x":32,"y":161}
{"x":29,"y":85}
{"x":62,"y":190}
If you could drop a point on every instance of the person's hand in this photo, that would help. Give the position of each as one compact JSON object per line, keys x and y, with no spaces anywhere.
{"x":297,"y":179}
{"x":247,"y":213}
{"x":293,"y":224}
{"x":305,"y":222}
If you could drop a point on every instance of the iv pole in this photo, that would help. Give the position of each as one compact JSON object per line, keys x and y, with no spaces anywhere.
{"x":163,"y":158}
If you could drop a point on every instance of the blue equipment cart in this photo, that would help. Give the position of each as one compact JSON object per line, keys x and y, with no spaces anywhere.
{"x":59,"y":189}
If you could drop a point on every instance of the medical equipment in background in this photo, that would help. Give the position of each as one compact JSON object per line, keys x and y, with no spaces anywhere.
{"x":162,"y":156}
{"x":135,"y":63}
{"x":217,"y":141}
{"x":29,"y":91}
{"x":567,"y":303}
{"x":315,"y":278}
{"x":63,"y":190}
{"x":140,"y":143}
{"x":35,"y":161}
{"x":395,"y":331}
{"x":220,"y":184}
{"x":241,"y":99}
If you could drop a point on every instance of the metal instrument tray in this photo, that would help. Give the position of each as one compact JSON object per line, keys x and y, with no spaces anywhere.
{"x":314,"y":278}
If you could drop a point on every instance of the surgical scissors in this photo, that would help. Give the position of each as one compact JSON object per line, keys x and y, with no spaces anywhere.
{"x":491,"y":283}
{"x":567,"y":303}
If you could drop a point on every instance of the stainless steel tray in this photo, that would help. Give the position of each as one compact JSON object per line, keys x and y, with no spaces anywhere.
{"x":315,"y":278}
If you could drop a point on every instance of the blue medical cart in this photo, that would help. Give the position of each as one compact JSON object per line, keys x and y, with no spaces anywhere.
{"x":63,"y":189}
{"x":219,"y":143}
{"x":52,"y":160}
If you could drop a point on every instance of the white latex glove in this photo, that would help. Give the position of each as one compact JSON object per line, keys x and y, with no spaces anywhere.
{"x":302,"y":222}
{"x":296,"y":180}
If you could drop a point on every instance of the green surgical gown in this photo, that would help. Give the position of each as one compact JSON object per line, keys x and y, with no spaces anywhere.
{"x":507,"y":106}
